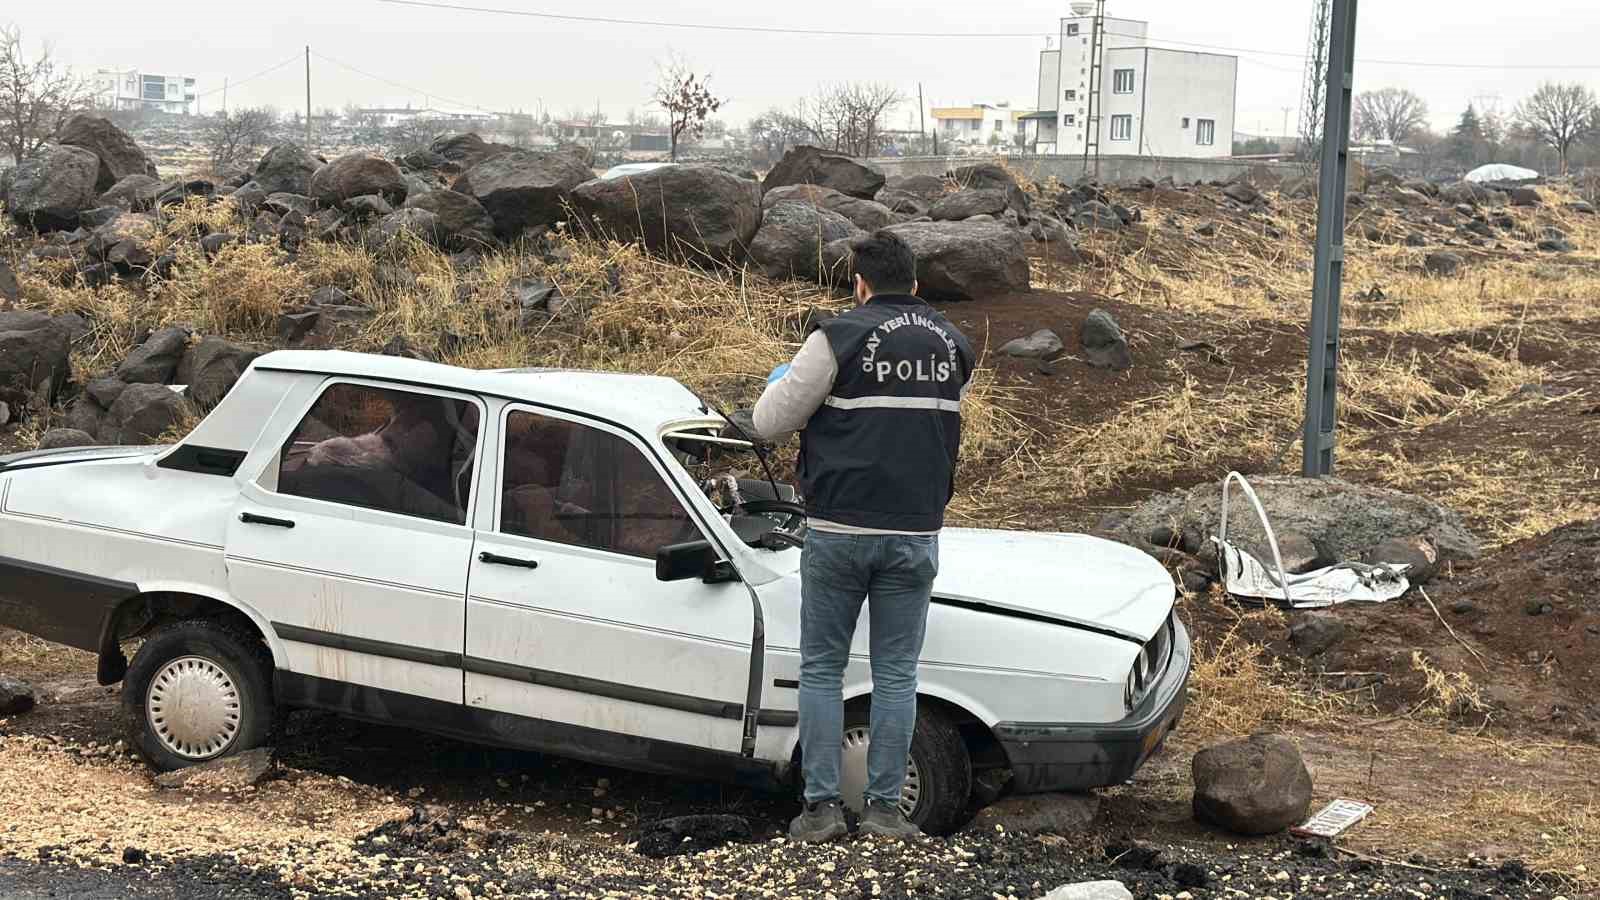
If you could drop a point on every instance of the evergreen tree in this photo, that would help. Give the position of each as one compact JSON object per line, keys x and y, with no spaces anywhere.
{"x":1467,"y":142}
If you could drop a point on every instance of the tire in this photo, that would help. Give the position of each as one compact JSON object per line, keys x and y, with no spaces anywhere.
{"x":201,"y":664}
{"x":943,"y":767}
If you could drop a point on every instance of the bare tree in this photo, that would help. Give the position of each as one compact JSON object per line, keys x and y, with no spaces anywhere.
{"x":36,"y":95}
{"x":849,"y":117}
{"x":773,"y":132}
{"x":1560,"y":115}
{"x":687,"y":99}
{"x":235,"y":136}
{"x":1390,"y":114}
{"x":415,"y":133}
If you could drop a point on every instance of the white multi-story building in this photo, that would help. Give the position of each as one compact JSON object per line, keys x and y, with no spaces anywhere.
{"x":121,"y":89}
{"x":1153,"y":101}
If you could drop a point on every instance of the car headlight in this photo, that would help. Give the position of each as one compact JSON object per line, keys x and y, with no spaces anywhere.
{"x":1149,"y":664}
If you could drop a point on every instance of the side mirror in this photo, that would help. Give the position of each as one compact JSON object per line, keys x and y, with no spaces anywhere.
{"x":695,"y":559}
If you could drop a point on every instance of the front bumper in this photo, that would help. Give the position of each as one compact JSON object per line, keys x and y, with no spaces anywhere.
{"x":1067,"y":756}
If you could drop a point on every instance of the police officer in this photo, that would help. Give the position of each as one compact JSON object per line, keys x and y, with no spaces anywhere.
{"x":876,"y":396}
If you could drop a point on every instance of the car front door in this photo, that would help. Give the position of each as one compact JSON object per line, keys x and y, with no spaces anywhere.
{"x":566,"y":621}
{"x":353,"y":538}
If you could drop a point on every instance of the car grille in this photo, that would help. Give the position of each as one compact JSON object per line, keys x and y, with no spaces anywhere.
{"x":1152,"y":661}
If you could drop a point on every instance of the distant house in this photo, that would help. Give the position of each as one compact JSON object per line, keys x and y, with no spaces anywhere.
{"x":649,"y":142}
{"x":1151,"y":101}
{"x":978,"y":123}
{"x":390,"y":116}
{"x":132,"y":89}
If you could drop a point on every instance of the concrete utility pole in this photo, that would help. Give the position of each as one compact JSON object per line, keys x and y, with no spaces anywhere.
{"x":1322,"y":376}
{"x":922,"y":122}
{"x":224,"y":93}
{"x":308,"y":97}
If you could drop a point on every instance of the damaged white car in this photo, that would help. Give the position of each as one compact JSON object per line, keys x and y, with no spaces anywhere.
{"x":555,"y":560}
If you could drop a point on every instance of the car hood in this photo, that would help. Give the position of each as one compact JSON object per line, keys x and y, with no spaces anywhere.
{"x":1070,"y":578}
{"x":31,"y":459}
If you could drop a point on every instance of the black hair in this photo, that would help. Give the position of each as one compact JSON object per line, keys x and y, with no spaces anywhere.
{"x":885,"y":260}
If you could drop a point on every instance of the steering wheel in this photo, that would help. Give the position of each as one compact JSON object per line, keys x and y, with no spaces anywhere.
{"x":794,"y":514}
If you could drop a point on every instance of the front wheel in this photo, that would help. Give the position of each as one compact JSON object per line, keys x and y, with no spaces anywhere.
{"x":938,"y":781}
{"x":196,"y":691}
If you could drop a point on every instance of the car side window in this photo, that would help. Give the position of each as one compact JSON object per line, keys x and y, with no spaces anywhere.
{"x":397,"y":451}
{"x":573,"y":484}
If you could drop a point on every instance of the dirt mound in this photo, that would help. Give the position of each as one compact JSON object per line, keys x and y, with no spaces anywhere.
{"x":434,"y":829}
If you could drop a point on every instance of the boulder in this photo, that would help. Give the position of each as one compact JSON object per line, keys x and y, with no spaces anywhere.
{"x":49,"y":189}
{"x":119,"y":156}
{"x":143,"y":413}
{"x":419,"y":223}
{"x":33,"y":357}
{"x":354,"y":175}
{"x":16,"y":696}
{"x":1344,"y":520}
{"x":1049,"y":230}
{"x":62,"y":438}
{"x":135,"y":193}
{"x":965,"y":260}
{"x":683,"y":835}
{"x":690,"y":211}
{"x":1038,"y":814}
{"x":867,"y":215}
{"x":462,"y":221}
{"x":1471,"y":194}
{"x":1103,"y":343}
{"x":90,"y":219}
{"x":231,"y":772}
{"x":1254,"y":785}
{"x":993,"y":177}
{"x":1093,"y":214}
{"x":213,"y":243}
{"x":1415,"y":551}
{"x":286,"y":167}
{"x":466,"y":150}
{"x":1242,"y":192}
{"x":1298,"y":188}
{"x":524,"y":189}
{"x":1042,"y":344}
{"x":1090,"y":890}
{"x":10,"y":290}
{"x":1526,"y":196}
{"x":968,"y":203}
{"x":210,"y":368}
{"x":1442,"y":263}
{"x":903,"y":203}
{"x":813,"y":165}
{"x":105,"y":391}
{"x":367,"y":206}
{"x":1313,"y":634}
{"x":155,"y":361}
{"x":283,"y":203}
{"x":126,"y":241}
{"x":928,"y":187}
{"x":790,"y":241}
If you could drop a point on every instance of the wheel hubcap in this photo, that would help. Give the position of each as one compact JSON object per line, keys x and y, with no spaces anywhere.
{"x":853,"y":773}
{"x":193,"y":708}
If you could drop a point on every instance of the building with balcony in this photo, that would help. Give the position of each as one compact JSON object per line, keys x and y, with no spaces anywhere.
{"x":132,"y":89}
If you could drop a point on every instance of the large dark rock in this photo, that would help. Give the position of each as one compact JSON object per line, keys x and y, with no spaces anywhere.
{"x":155,"y":361}
{"x":10,"y":290}
{"x":928,"y":187}
{"x":524,"y":189}
{"x":867,"y":215}
{"x":231,"y":772}
{"x":386,"y":233}
{"x":1093,"y":214}
{"x":683,"y":835}
{"x":62,"y":438}
{"x":356,"y":174}
{"x":1242,"y":192}
{"x":126,"y":241}
{"x":284,"y":202}
{"x":1256,"y":785}
{"x":1042,"y":344}
{"x":118,"y":154}
{"x":790,"y":241}
{"x":211,"y":367}
{"x":1103,"y":343}
{"x":813,"y":165}
{"x":903,"y":203}
{"x":968,"y":203}
{"x":16,"y":696}
{"x":136,"y":193}
{"x":286,"y":167}
{"x":693,"y":212}
{"x":1442,"y":263}
{"x":33,"y":357}
{"x":966,"y":260}
{"x":142,"y":414}
{"x":49,"y":189}
{"x":466,"y":150}
{"x":462,"y":221}
{"x":1313,"y":634}
{"x":1472,"y":194}
{"x":993,"y":177}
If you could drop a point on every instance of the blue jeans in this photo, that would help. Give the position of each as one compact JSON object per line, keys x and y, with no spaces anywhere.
{"x":838,"y":572}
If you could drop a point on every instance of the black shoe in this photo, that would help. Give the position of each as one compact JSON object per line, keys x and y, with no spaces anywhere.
{"x":886,"y":820}
{"x":821,"y":822}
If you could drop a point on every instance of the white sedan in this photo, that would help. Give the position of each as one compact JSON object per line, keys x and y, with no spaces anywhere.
{"x":556,"y":560}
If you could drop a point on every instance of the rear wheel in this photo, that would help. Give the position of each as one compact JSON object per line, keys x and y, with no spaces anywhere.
{"x":938,"y":781}
{"x":197,"y":690}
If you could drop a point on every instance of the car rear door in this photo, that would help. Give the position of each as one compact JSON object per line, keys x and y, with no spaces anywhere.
{"x":566,"y":621}
{"x":353,"y":538}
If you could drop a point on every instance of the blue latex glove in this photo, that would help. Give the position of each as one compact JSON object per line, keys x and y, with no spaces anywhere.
{"x":778,"y":373}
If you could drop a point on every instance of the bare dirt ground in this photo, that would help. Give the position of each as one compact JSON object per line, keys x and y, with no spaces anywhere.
{"x":1468,"y":719}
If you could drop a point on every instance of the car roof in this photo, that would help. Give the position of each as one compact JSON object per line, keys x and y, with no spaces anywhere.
{"x":641,"y":402}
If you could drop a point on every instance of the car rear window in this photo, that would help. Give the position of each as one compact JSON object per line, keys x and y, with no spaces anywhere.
{"x":398,"y":451}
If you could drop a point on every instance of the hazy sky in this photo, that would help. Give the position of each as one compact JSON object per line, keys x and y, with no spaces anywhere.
{"x":500,"y":61}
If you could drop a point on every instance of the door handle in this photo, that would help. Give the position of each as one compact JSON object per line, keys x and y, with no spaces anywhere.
{"x":499,"y":560}
{"x":253,"y":519}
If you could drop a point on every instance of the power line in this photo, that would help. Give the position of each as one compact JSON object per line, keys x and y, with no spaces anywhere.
{"x":392,"y":83}
{"x":264,"y":72}
{"x":828,"y":32}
